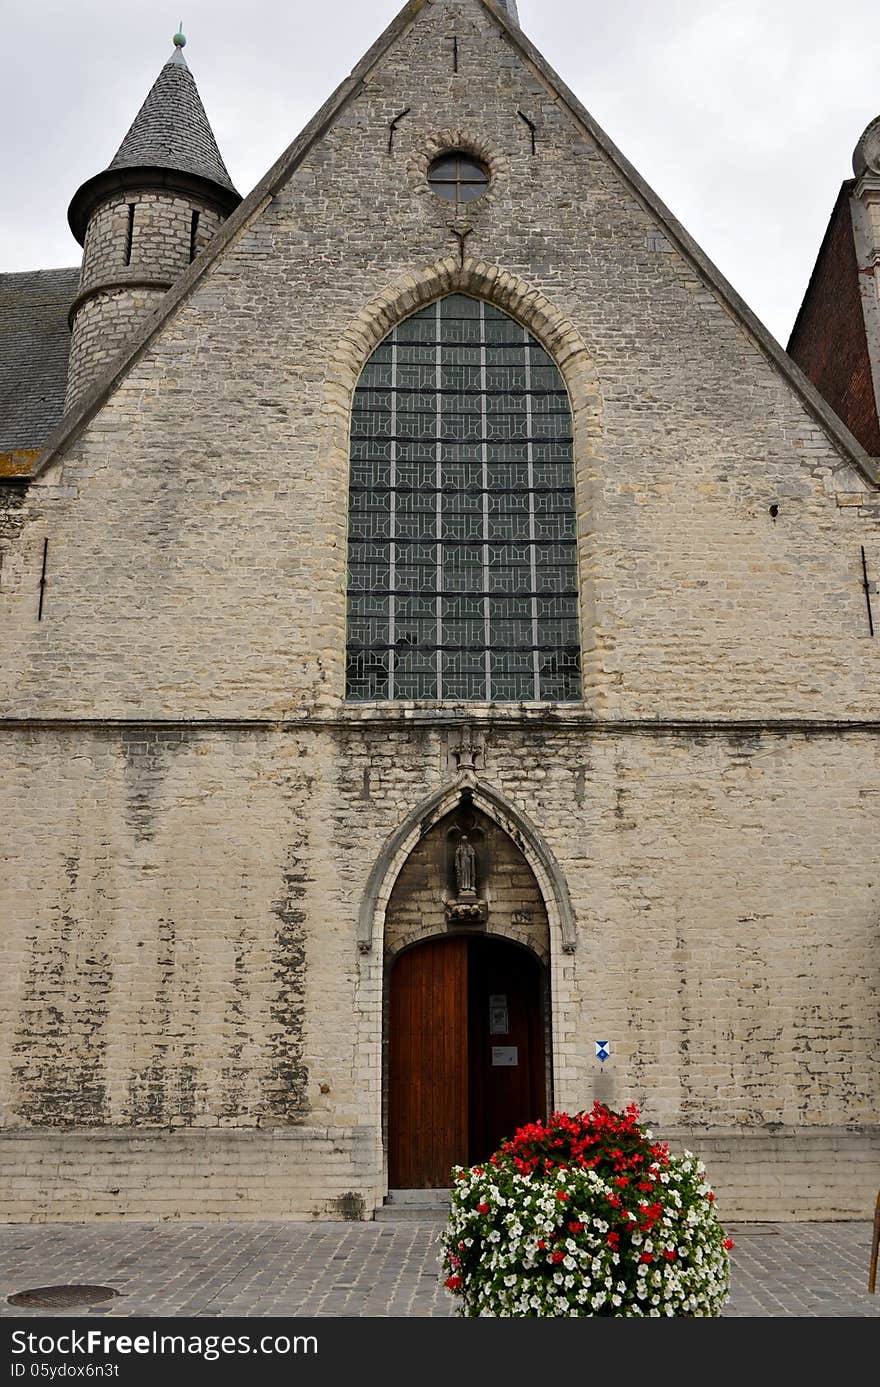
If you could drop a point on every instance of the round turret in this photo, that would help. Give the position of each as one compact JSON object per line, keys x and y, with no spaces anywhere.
{"x":144,"y":219}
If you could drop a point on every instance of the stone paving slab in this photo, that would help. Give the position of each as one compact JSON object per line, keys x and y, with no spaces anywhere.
{"x":381,"y":1269}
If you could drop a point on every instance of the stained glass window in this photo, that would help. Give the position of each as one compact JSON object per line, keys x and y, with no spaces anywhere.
{"x":462,"y":550}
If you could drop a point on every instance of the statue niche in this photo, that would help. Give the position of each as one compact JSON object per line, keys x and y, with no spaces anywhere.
{"x":465,"y":907}
{"x":465,"y":868}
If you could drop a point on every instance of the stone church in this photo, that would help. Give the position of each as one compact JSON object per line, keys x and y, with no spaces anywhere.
{"x":439,"y":650}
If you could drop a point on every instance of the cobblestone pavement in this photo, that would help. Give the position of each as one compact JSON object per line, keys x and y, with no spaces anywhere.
{"x":375,"y":1269}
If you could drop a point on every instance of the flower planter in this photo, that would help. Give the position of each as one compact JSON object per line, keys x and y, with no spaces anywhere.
{"x":586,"y":1215}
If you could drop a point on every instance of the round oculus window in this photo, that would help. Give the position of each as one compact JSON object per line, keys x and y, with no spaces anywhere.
{"x":458,"y":177}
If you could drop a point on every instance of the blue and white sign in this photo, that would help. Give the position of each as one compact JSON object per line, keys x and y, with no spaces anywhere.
{"x":603,"y":1050}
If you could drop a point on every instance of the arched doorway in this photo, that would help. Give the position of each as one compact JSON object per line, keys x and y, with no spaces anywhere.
{"x":467,"y":999}
{"x":466,"y":1055}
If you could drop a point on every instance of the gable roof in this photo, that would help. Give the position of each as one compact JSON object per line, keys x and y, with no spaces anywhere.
{"x":73,"y":424}
{"x":34,"y":347}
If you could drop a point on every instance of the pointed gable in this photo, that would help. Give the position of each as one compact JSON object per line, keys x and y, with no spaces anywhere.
{"x":504,"y":15}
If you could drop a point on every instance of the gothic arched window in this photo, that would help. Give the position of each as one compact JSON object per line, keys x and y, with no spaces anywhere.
{"x":462,"y":551}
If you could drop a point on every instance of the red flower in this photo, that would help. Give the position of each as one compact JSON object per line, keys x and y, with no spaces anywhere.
{"x":576,"y":1227}
{"x":476,"y":1170}
{"x":542,"y":1244}
{"x":558,"y":1257}
{"x":453,"y":1283}
{"x":646,"y":1185}
{"x":621,"y":1181}
{"x":669,"y":1254}
{"x":728,"y":1243}
{"x":711,"y":1196}
{"x":612,"y":1239}
{"x":562,"y":1196}
{"x":646,"y":1257}
{"x":482,"y":1208}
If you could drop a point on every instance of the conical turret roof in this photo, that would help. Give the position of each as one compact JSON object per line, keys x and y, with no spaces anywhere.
{"x":171,"y":130}
{"x":510,"y":7}
{"x":170,"y":144}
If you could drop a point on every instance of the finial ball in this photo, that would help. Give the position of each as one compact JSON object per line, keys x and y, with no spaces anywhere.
{"x":180,"y":37}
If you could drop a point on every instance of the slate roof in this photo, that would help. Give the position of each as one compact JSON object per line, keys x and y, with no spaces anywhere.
{"x":34,"y":346}
{"x":171,"y":130}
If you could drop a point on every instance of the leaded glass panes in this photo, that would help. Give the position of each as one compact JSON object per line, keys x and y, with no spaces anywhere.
{"x":462,"y":562}
{"x":458,"y":177}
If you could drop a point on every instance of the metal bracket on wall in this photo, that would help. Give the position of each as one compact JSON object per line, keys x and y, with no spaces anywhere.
{"x":533,"y":129}
{"x":461,"y":234}
{"x":43,"y":580}
{"x":869,"y":589}
{"x":392,"y":128}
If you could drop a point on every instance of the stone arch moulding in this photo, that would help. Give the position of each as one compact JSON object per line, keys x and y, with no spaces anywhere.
{"x":507,"y":816}
{"x":412,"y":291}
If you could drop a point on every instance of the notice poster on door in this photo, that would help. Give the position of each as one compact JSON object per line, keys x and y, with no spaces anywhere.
{"x":499,"y":1023}
{"x":505,"y":1056}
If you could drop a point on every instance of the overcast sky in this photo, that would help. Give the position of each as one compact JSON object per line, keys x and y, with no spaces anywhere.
{"x":742,"y":114}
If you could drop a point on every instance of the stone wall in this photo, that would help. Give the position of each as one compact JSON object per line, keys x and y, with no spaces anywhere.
{"x":192,"y":814}
{"x":181,"y":950}
{"x":136,"y":246}
{"x":718,"y":572}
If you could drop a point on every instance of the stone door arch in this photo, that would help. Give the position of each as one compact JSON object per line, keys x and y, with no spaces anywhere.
{"x":467,"y":999}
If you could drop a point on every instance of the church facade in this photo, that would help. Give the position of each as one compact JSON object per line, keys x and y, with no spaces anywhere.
{"x":437,"y":652}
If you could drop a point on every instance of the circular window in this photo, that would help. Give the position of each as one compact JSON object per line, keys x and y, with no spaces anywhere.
{"x":458,"y":177}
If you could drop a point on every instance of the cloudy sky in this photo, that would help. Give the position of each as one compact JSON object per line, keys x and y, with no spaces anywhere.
{"x":742,"y":114}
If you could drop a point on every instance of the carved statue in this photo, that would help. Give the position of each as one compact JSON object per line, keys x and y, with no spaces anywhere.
{"x":465,"y":866}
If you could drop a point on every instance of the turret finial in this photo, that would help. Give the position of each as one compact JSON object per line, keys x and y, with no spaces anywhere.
{"x":180,"y":37}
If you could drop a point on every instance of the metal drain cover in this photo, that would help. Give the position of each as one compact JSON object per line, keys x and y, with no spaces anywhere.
{"x":61,"y":1297}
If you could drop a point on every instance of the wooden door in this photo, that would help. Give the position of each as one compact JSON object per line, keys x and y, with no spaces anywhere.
{"x":506,"y":1044}
{"x":428,"y":1034}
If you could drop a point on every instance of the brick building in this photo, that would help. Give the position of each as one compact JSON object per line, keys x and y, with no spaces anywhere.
{"x":435,"y":639}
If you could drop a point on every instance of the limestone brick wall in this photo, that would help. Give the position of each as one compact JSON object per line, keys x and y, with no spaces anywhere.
{"x":180,"y":944}
{"x":192,"y":814}
{"x":302,"y":1173}
{"x":160,"y":241}
{"x":720,"y":528}
{"x":101,"y":327}
{"x":136,"y":246}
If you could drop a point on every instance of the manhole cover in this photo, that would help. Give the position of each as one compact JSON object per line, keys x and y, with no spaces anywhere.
{"x":61,"y":1297}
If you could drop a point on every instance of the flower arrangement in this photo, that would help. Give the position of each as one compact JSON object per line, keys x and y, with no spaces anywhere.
{"x":585,"y":1215}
